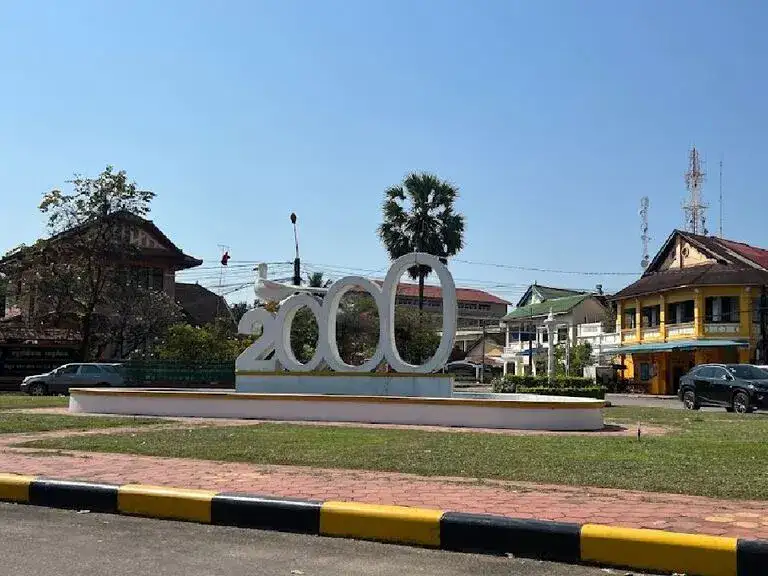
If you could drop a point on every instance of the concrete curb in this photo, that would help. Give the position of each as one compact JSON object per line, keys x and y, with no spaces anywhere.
{"x":691,"y":554}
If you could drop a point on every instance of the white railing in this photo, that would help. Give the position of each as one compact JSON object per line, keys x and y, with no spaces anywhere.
{"x":654,"y":332}
{"x":684,"y":329}
{"x":629,"y":334}
{"x":601,"y":343}
{"x":591,"y":329}
{"x":722,"y":328}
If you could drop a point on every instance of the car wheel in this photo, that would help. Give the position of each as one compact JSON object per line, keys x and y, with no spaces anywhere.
{"x":741,"y":403}
{"x":37,"y":389}
{"x":690,"y":401}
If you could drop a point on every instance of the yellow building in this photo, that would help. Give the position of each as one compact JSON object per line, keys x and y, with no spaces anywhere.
{"x":699,"y":301}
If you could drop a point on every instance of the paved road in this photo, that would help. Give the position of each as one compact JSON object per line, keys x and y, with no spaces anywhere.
{"x":36,"y":541}
{"x":644,"y":401}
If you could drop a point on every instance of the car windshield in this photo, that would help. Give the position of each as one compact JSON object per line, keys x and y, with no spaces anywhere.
{"x":748,"y":372}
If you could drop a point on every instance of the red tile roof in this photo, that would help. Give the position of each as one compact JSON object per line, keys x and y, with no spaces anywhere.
{"x":462,"y":294}
{"x":757,"y":255}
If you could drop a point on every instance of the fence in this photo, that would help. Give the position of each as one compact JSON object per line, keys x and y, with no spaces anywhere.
{"x":148,"y":373}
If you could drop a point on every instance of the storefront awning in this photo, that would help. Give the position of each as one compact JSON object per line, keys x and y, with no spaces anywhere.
{"x":679,"y":345}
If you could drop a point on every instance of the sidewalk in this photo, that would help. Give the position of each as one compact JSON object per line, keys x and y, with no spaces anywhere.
{"x":677,"y":513}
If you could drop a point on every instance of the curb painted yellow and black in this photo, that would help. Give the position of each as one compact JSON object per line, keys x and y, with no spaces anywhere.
{"x":691,"y":554}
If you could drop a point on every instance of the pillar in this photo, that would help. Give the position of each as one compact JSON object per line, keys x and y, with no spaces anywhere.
{"x":638,"y":321}
{"x":745,"y":316}
{"x":698,"y":314}
{"x":504,"y":373}
{"x":618,"y":319}
{"x":663,"y":318}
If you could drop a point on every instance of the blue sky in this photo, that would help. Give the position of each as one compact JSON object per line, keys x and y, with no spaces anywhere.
{"x":553,"y":118}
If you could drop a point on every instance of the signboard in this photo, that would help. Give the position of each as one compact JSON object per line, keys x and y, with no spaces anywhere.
{"x":28,"y":360}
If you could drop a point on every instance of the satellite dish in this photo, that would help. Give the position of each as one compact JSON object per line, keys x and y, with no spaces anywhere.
{"x":644,"y":263}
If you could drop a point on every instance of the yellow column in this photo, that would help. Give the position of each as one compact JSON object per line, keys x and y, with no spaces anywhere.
{"x":618,"y":319}
{"x":663,"y":318}
{"x":698,"y":314}
{"x":745,"y":314}
{"x":638,"y":320}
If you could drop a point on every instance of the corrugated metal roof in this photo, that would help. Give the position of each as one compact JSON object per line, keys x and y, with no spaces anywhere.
{"x":678,"y":345}
{"x":557,"y":305}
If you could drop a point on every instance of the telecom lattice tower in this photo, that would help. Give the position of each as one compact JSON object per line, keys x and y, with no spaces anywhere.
{"x":694,"y":207}
{"x":644,"y":203}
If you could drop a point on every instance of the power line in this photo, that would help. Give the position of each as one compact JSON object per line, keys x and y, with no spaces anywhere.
{"x":543,"y":270}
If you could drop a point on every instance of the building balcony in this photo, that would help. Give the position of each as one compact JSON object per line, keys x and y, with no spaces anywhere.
{"x":629,"y":334}
{"x":681,"y":330}
{"x":721,"y":328}
{"x":516,"y":348}
{"x":651,"y":333}
{"x":587,"y":330}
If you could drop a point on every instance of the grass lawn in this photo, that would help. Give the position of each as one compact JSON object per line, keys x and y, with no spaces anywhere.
{"x":711,"y":454}
{"x":22,"y":423}
{"x":14,"y":401}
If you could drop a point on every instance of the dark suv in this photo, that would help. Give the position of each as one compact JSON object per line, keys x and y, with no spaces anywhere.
{"x":736,"y":387}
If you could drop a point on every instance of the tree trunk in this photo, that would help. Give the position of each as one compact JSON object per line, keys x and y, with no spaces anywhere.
{"x":85,"y":334}
{"x":421,"y":290}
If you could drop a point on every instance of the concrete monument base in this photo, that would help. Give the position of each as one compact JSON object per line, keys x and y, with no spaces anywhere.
{"x":351,"y":383}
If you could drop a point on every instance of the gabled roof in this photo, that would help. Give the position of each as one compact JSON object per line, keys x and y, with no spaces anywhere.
{"x":183,"y":260}
{"x":435,"y":292}
{"x":730,"y":263}
{"x":200,"y":305}
{"x":556,"y":305}
{"x":547,"y":293}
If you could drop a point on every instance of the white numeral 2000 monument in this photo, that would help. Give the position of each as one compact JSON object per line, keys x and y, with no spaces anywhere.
{"x":256,"y":373}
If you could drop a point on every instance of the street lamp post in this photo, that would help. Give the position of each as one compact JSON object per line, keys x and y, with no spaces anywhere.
{"x":296,"y":261}
{"x":549,"y":324}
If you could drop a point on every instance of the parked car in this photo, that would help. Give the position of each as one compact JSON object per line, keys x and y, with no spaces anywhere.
{"x":60,"y":380}
{"x":736,"y":387}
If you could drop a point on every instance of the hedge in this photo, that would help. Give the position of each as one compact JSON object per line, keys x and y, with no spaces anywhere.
{"x":512,"y":383}
{"x":593,"y":391}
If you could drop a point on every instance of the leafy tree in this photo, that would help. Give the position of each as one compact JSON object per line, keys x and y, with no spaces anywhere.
{"x":185,"y":343}
{"x":609,"y":317}
{"x":83,"y":270}
{"x":137,"y":317}
{"x":419,"y":216}
{"x":238,"y":310}
{"x":580,"y":358}
{"x":415,"y":334}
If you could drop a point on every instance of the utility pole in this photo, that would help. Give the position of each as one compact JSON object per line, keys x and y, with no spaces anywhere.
{"x":764,"y":325}
{"x":296,"y":261}
{"x":482,"y":358}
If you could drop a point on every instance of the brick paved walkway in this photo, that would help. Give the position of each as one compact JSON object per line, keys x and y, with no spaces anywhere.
{"x":516,"y":499}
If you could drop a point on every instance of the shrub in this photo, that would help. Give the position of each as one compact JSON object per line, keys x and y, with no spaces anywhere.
{"x":592,"y":391}
{"x":512,"y":383}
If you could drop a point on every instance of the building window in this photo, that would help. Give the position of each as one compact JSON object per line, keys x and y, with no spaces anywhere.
{"x":651,"y":316}
{"x":562,"y":334}
{"x":645,"y":371}
{"x":680,"y":312}
{"x":484,"y":306}
{"x":629,"y":321}
{"x":544,"y":336}
{"x":722,"y":309}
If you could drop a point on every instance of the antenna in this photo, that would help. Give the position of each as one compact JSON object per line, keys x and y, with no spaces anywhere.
{"x":644,"y":204}
{"x":721,"y":197}
{"x":694,"y":208}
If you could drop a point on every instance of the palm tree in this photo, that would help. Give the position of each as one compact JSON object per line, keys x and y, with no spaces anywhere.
{"x":315,"y":280}
{"x":419,"y":217}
